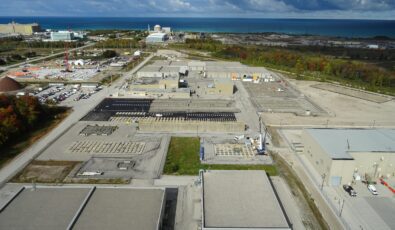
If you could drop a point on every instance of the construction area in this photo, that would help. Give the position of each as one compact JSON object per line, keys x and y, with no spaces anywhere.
{"x":213,"y":115}
{"x":54,"y":70}
{"x":83,"y":207}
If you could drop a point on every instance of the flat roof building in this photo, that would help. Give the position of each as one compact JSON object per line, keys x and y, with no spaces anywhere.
{"x":240,"y":200}
{"x":343,"y":155}
{"x":84,"y":207}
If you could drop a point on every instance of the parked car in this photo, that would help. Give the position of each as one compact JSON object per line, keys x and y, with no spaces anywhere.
{"x":372,"y":189}
{"x":349,"y":190}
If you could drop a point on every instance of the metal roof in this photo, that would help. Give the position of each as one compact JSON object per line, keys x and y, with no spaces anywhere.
{"x":338,"y":143}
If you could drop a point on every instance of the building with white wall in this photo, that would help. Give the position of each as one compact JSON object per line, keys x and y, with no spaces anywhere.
{"x":343,"y":155}
{"x":157,"y":38}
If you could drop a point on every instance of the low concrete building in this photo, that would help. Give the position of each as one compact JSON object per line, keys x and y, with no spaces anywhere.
{"x":343,"y":155}
{"x":224,"y":87}
{"x":240,"y":200}
{"x":236,"y":72}
{"x":84,"y":207}
{"x":182,"y":93}
{"x":158,"y":71}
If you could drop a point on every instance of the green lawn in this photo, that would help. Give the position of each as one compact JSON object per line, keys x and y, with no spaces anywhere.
{"x":183,"y":159}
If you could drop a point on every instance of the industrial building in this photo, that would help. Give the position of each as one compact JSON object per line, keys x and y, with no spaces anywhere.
{"x":160,"y":71}
{"x":62,"y":36}
{"x":157,"y":38}
{"x":84,"y":207}
{"x":158,"y":87}
{"x":67,"y":36}
{"x":240,"y":200}
{"x":341,"y":156}
{"x":22,"y":29}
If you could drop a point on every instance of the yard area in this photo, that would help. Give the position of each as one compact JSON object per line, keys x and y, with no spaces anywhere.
{"x":45,"y":172}
{"x":183,"y":159}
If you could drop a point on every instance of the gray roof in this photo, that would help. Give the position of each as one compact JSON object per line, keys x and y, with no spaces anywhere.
{"x":338,"y":143}
{"x":43,"y":209}
{"x":240,"y":199}
{"x":122,"y":208}
{"x":108,"y":208}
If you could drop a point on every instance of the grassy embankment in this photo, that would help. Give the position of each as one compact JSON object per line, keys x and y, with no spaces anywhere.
{"x":183,"y":159}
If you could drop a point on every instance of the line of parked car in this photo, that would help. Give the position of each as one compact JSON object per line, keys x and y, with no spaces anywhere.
{"x":350,"y":190}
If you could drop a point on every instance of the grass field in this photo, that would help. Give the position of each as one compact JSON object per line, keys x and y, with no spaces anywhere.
{"x":183,"y":159}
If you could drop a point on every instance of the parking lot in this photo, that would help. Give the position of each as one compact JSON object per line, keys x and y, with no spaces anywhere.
{"x":60,"y":94}
{"x":365,"y":210}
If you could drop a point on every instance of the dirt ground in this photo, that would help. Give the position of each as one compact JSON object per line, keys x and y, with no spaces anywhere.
{"x":344,"y":111}
{"x":45,"y":172}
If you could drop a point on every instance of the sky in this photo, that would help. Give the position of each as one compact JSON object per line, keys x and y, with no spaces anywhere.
{"x":333,"y":9}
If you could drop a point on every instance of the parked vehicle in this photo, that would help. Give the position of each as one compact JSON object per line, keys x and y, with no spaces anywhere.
{"x":372,"y":189}
{"x":350,"y":190}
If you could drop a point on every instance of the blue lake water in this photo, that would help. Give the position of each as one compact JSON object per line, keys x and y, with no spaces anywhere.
{"x":344,"y":28}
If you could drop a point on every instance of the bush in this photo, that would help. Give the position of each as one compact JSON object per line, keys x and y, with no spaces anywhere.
{"x":16,"y":57}
{"x":30,"y":54}
{"x":109,"y":54}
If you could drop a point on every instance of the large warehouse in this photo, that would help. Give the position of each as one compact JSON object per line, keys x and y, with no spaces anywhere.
{"x":157,"y":38}
{"x":343,"y":155}
{"x":84,"y":207}
{"x":235,"y":199}
{"x":16,"y":28}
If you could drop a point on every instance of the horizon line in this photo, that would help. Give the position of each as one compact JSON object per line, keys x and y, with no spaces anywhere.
{"x":197,"y":17}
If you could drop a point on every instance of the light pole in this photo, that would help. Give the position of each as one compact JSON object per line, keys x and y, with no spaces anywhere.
{"x":376,"y":165}
{"x":341,"y":207}
{"x":323,"y":180}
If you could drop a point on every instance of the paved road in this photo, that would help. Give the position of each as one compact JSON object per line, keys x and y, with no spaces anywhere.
{"x":46,"y":57}
{"x":80,"y":109}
